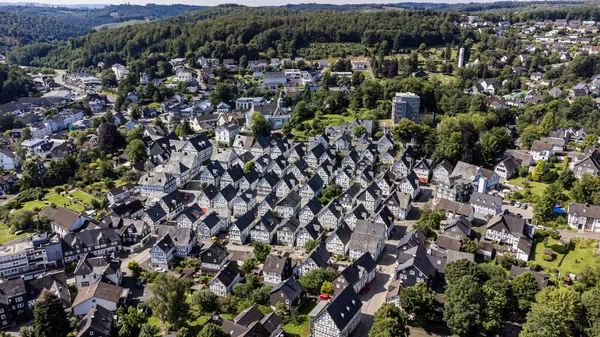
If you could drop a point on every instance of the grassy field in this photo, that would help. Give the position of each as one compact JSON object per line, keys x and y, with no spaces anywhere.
{"x":536,"y":188}
{"x":302,"y":329}
{"x":119,"y":24}
{"x":30,"y":205}
{"x":573,"y":261}
{"x":6,"y":235}
{"x":82,"y":196}
{"x":58,"y":200}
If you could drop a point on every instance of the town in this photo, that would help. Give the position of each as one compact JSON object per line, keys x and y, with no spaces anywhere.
{"x":446,"y":190}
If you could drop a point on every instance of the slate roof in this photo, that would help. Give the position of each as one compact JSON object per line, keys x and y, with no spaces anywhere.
{"x":291,"y":288}
{"x":341,"y":309}
{"x":462,"y":224}
{"x":291,"y":200}
{"x":244,"y":221}
{"x":165,"y":243}
{"x":359,"y":267}
{"x":485,"y":200}
{"x":214,"y":254}
{"x":584,"y":210}
{"x":156,"y":213}
{"x":181,"y":236}
{"x":314,"y":206}
{"x":90,"y":237}
{"x":276,"y":263}
{"x":320,"y":256}
{"x":228,"y":273}
{"x":99,"y":319}
{"x":271,"y":199}
{"x":412,"y":238}
{"x":417,"y":257}
{"x":211,"y":220}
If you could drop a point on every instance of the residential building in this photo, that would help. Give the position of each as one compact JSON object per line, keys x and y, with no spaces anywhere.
{"x":512,"y":231}
{"x":405,"y":105}
{"x":368,"y":237}
{"x":214,"y":257}
{"x":97,"y":322}
{"x":224,"y":281}
{"x":485,"y":205}
{"x":98,"y":242}
{"x":277,"y":268}
{"x":317,"y":258}
{"x":357,"y":275}
{"x":101,"y":294}
{"x":338,"y":317}
{"x":289,"y":292}
{"x":584,"y":217}
{"x":91,"y":270}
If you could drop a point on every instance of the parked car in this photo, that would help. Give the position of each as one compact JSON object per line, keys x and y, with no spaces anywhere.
{"x":524,"y":206}
{"x":512,"y":202}
{"x":517,"y":204}
{"x":365,"y":289}
{"x":159,"y":269}
{"x":324,"y":297}
{"x":186,"y":197}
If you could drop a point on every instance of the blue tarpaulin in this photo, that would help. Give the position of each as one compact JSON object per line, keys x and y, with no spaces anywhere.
{"x":558,"y":210}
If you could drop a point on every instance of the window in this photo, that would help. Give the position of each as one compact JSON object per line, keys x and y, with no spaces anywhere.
{"x":412,"y":272}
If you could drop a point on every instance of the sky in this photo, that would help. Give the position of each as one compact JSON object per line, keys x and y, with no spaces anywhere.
{"x":217,"y":2}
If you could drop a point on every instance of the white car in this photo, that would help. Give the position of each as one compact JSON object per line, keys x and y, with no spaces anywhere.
{"x":517,"y":204}
{"x":159,"y":269}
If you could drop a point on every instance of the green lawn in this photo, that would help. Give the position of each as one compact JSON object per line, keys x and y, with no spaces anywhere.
{"x":76,"y":207}
{"x":82,"y":196}
{"x":30,"y":205}
{"x":6,"y":235}
{"x":536,"y":188}
{"x":58,"y":200}
{"x":574,"y":261}
{"x":302,"y":329}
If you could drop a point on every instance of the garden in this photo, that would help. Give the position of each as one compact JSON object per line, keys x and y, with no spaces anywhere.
{"x":556,"y":255}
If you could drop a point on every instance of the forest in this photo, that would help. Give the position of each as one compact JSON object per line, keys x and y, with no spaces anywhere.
{"x":109,"y":14}
{"x":244,"y":31}
{"x":23,"y":29}
{"x":14,"y":82}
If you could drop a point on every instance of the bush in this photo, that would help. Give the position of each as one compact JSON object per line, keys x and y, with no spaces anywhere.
{"x":548,"y":257}
{"x":560,"y":249}
{"x":506,"y":261}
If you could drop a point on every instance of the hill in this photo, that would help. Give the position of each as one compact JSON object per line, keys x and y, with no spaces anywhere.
{"x":233,"y":31}
{"x":90,"y":18}
{"x":23,"y":29}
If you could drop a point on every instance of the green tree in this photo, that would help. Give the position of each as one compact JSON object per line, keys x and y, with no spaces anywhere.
{"x":21,"y":220}
{"x":169,"y":299}
{"x":49,"y":317}
{"x":184,"y":332}
{"x":389,"y":321}
{"x":148,"y":330}
{"x":313,"y":281}
{"x":590,"y":300}
{"x":109,"y":138}
{"x":558,"y":309}
{"x":430,"y":221}
{"x":524,"y":287}
{"x":205,"y":300}
{"x":259,"y":125}
{"x":212,"y":330}
{"x":327,"y":288}
{"x":136,"y":151}
{"x":541,"y":322}
{"x":458,"y":269}
{"x":538,"y":171}
{"x":135,"y":268}
{"x":311,"y":244}
{"x":566,"y":178}
{"x":417,"y":301}
{"x":130,"y":321}
{"x":472,"y":309}
{"x":26,"y":134}
{"x":358,"y":131}
{"x":249,"y":166}
{"x":590,"y":140}
{"x":261,"y":251}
